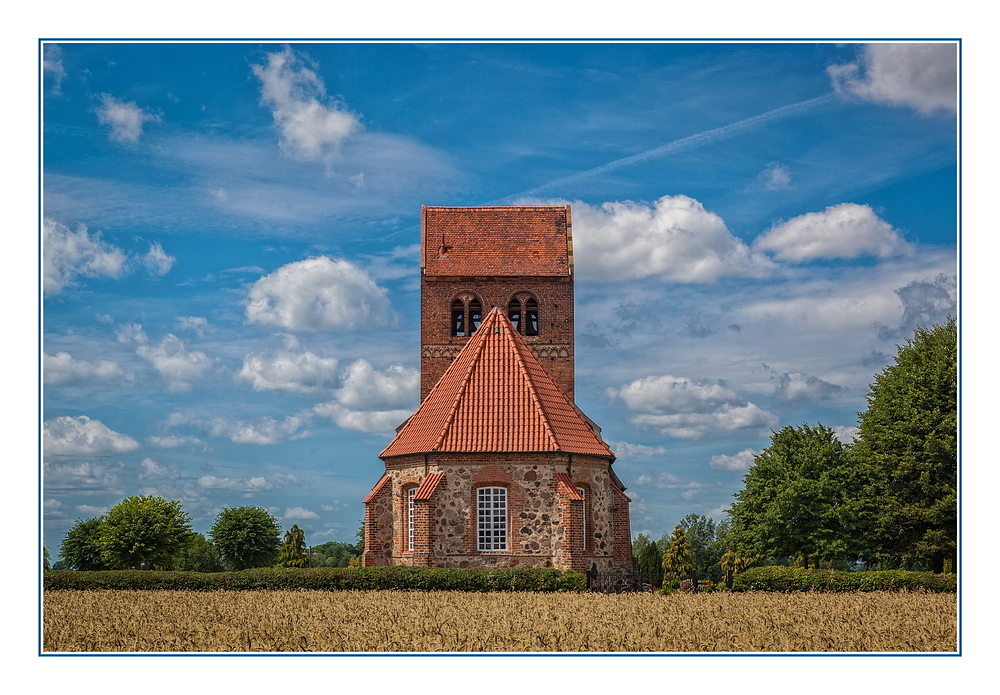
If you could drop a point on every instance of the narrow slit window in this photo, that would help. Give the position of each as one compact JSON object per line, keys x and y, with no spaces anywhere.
{"x":583,"y":510}
{"x":531,"y":317}
{"x":475,"y":315}
{"x":491,"y":512}
{"x":411,"y":495}
{"x":457,"y":318}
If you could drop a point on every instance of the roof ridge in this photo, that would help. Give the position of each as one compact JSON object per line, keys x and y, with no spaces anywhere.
{"x":480,"y":347}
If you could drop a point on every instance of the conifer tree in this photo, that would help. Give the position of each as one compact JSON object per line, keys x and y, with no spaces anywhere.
{"x":677,"y":560}
{"x":292,"y":552}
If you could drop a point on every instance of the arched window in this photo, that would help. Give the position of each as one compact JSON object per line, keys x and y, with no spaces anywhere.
{"x":530,"y":316}
{"x":523,"y":314}
{"x":491,"y":518}
{"x":514,"y":313}
{"x":475,"y":315}
{"x":457,"y":318}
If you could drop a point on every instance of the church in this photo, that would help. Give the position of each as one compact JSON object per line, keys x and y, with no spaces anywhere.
{"x":498,"y":467}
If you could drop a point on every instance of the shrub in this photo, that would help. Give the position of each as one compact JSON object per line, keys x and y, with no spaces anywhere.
{"x":798,"y":579}
{"x":324,"y":579}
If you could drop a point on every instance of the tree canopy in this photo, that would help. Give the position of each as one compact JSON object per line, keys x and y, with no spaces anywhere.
{"x":142,"y":530}
{"x":908,"y":444}
{"x":246,"y":537}
{"x":80,"y":549}
{"x":292,"y":552}
{"x":677,"y":560}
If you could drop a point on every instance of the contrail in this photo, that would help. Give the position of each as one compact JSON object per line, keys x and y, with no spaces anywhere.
{"x":696,"y":139}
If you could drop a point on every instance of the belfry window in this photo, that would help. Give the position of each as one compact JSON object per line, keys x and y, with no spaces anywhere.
{"x":457,"y":318}
{"x":523,"y":314}
{"x":475,"y":315}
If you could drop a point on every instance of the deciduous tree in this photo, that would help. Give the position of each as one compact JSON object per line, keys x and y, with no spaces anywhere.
{"x":246,"y":537}
{"x":144,"y":530}
{"x":80,"y":549}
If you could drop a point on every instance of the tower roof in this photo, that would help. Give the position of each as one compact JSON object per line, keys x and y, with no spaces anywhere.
{"x":490,"y":241}
{"x":496,"y":396}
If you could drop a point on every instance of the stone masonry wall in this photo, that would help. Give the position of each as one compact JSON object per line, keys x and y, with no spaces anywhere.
{"x":545,"y":528}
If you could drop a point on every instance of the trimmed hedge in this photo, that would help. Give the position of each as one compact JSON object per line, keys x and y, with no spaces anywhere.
{"x":323,"y":579}
{"x":798,"y":579}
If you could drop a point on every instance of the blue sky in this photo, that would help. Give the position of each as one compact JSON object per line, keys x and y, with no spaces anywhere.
{"x":230,"y":273}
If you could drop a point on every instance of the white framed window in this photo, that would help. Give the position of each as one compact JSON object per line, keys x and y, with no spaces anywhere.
{"x":491,"y":514}
{"x":410,"y":496}
{"x":583,"y":511}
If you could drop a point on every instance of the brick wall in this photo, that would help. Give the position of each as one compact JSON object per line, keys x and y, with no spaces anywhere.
{"x":553,"y":345}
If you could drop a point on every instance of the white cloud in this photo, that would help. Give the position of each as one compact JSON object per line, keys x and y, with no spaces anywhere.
{"x":795,"y":386}
{"x":626,"y":451}
{"x":157,"y":261}
{"x":198,"y":324}
{"x":131,"y":333}
{"x":370,"y":421}
{"x":737,"y":462}
{"x":775,"y":177}
{"x":318,"y":294}
{"x":124,"y":117}
{"x":687,"y":409}
{"x":173,"y":441}
{"x":923,"y":76}
{"x":52,"y":62}
{"x":85,"y":438}
{"x":154,"y":470}
{"x":367,"y":388}
{"x":91,"y":510}
{"x":69,"y":254}
{"x":82,"y":477}
{"x":298,"y":513}
{"x":310,"y":124}
{"x":174,"y":363}
{"x":53,"y":509}
{"x":846,"y":230}
{"x":285,"y":370}
{"x":845,"y":433}
{"x":61,"y":369}
{"x":260,"y":431}
{"x":675,"y":239}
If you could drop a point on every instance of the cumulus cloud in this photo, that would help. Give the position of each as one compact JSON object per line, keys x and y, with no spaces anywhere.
{"x":68,"y":254}
{"x":845,"y":433}
{"x":369,"y":421}
{"x":198,"y":324}
{"x":626,"y":451}
{"x":174,"y":363}
{"x":53,"y":509}
{"x":923,"y":76}
{"x":248,"y":486}
{"x":82,"y":477}
{"x":737,"y":462}
{"x":775,"y":177}
{"x":675,"y":239}
{"x":365,"y":387}
{"x":687,"y":409}
{"x":91,"y":510}
{"x":795,"y":386}
{"x":173,"y":441}
{"x":317,"y":294}
{"x":260,"y":431}
{"x":84,"y":438}
{"x":124,"y":118}
{"x":157,"y":261}
{"x":129,"y":333}
{"x":62,"y":370}
{"x":286,"y":370}
{"x":846,"y":230}
{"x":311,"y":125}
{"x":154,"y":470}
{"x":925,"y":303}
{"x":299,"y":513}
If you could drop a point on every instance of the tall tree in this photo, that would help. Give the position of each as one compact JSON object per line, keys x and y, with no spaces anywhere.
{"x":80,"y":549}
{"x":908,"y":444}
{"x":706,"y":551}
{"x":144,"y":530}
{"x":246,"y":537}
{"x":292,"y":552}
{"x":197,"y":555}
{"x":677,"y":561}
{"x":799,"y":500}
{"x":649,"y":558}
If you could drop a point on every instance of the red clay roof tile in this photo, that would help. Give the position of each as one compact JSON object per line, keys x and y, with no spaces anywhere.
{"x":497,"y":241}
{"x":566,"y":483}
{"x":496,"y":396}
{"x":375,"y":490}
{"x":427,"y":488}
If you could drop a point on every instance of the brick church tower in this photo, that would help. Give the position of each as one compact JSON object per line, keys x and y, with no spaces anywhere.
{"x":498,"y":467}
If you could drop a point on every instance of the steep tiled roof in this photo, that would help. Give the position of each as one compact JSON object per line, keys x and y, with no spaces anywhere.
{"x":496,"y":396}
{"x":506,"y":241}
{"x":427,"y":488}
{"x":566,"y":483}
{"x":382,"y":482}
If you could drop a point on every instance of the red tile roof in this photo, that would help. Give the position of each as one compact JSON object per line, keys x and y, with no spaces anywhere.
{"x":566,"y":483}
{"x":496,"y":396}
{"x":375,"y":490}
{"x":505,"y":241}
{"x":427,"y":488}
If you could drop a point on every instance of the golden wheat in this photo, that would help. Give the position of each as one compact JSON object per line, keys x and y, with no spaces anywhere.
{"x":396,"y":621}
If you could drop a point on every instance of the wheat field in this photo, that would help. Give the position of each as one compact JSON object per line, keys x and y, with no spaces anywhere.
{"x":397,"y":621}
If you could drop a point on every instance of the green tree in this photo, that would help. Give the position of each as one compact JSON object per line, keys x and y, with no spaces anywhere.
{"x":144,"y":530}
{"x":246,"y":537}
{"x":677,"y":561}
{"x":907,"y":443}
{"x":333,"y":554}
{"x":292,"y":552}
{"x":46,"y":559}
{"x":197,"y":555}
{"x":80,"y":549}
{"x":706,"y":551}
{"x":648,"y":557}
{"x":800,"y":500}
